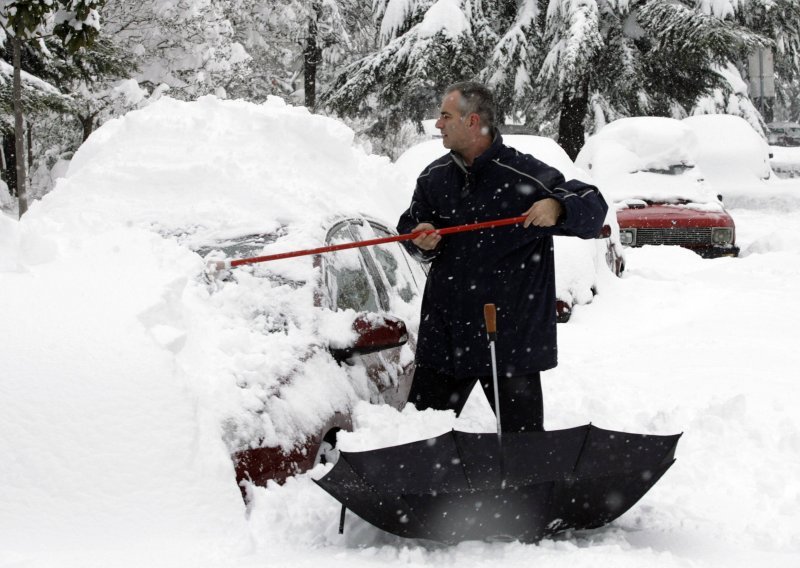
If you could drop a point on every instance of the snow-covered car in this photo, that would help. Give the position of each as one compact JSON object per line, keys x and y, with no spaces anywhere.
{"x":357,"y":293}
{"x":742,"y":160}
{"x":650,"y":168}
{"x":272,"y":357}
{"x":579,"y":262}
{"x":783,"y":133}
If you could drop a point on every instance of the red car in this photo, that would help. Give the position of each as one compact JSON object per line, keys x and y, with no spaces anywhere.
{"x":656,"y":172}
{"x":709,"y":233}
{"x":378,"y":289}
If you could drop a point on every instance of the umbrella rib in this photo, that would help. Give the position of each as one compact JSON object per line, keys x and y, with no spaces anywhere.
{"x":583,"y":445}
{"x":461,"y":462}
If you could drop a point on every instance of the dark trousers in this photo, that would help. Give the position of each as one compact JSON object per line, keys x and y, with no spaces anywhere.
{"x":521,"y":404}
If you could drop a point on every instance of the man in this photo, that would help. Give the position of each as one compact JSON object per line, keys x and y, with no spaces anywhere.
{"x":511,"y":267}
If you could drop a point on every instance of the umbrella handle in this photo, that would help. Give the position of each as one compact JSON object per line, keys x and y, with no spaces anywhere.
{"x":490,"y":317}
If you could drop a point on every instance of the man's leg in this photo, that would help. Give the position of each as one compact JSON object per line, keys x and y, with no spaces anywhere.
{"x":434,"y":389}
{"x":521,"y":402}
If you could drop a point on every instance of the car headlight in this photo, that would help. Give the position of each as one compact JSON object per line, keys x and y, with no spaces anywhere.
{"x":627,"y":237}
{"x":722,"y":235}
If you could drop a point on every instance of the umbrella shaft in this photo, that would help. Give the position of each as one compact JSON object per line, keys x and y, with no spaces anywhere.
{"x":496,"y":390}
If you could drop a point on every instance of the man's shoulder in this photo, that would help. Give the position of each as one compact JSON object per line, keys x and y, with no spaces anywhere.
{"x":438,"y":166}
{"x":509,"y":154}
{"x":510,"y":157}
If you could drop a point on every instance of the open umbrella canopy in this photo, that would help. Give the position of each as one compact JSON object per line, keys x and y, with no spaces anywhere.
{"x":462,"y":486}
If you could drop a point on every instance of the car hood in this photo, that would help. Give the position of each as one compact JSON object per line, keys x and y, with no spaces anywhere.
{"x":688,"y":187}
{"x":664,"y":215}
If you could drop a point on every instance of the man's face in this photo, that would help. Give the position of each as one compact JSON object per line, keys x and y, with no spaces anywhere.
{"x":458,"y":130}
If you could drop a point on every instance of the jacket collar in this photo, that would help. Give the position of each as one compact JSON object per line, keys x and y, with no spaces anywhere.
{"x":481,"y":160}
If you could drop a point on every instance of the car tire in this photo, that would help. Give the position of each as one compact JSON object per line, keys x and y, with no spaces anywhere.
{"x":327,"y":453}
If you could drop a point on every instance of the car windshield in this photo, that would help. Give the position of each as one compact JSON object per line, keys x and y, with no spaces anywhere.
{"x":239,"y":247}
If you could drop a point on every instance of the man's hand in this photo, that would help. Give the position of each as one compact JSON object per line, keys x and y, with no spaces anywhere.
{"x":544,"y":213}
{"x":427,"y":241}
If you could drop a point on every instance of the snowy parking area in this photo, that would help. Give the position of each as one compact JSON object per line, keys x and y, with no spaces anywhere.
{"x":117,"y":370}
{"x":679,"y":344}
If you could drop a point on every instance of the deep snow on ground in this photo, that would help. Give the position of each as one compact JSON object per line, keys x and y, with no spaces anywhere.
{"x":112,"y":450}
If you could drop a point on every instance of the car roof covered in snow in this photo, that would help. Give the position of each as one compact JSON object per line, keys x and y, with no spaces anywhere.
{"x":665,"y":159}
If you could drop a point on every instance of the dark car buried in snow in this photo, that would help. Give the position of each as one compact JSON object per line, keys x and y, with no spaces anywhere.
{"x":373,"y":291}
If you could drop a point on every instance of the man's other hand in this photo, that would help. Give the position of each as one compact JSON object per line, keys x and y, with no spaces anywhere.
{"x":427,"y":241}
{"x":544,"y":213}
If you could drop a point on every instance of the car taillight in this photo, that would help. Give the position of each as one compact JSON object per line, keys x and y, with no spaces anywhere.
{"x":722,"y":235}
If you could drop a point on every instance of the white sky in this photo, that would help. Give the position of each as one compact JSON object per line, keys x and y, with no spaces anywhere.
{"x":118,"y":365}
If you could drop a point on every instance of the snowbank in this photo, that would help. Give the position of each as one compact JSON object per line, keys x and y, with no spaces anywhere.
{"x":127,"y":379}
{"x":118,"y":366}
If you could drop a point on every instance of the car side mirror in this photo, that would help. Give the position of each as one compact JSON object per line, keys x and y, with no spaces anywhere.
{"x":605,"y":232}
{"x":374,"y":332}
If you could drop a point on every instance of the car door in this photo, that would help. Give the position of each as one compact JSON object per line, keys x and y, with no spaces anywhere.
{"x":378,"y":279}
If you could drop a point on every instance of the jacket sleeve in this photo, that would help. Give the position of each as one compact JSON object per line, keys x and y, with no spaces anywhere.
{"x":420,"y":211}
{"x":584,"y":209}
{"x":584,"y":206}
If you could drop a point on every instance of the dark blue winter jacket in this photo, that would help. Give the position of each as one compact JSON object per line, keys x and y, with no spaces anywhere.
{"x":511,"y":267}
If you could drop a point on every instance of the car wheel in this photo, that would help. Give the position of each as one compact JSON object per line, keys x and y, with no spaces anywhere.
{"x":563,"y":311}
{"x":327,"y":453}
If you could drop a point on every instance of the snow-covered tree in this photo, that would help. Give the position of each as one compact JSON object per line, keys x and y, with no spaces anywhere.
{"x":778,"y":20}
{"x":515,"y":59}
{"x":75,"y":22}
{"x":188,"y":45}
{"x":295,"y":45}
{"x":424,"y":46}
{"x":597,"y":60}
{"x":564,"y":66}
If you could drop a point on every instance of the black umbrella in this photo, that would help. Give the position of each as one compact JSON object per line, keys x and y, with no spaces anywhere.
{"x":458,"y":486}
{"x":523,"y":486}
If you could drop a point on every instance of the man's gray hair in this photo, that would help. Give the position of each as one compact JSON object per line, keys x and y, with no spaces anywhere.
{"x":477,"y":98}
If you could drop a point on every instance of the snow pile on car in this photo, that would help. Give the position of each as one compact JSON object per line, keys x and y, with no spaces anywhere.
{"x":649,"y":158}
{"x":638,"y":144}
{"x":729,"y":150}
{"x":176,"y":363}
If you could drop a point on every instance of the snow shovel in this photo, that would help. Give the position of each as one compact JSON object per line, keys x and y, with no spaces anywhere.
{"x":218,"y":265}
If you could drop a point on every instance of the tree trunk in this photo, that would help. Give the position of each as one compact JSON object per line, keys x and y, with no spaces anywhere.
{"x":570,"y":123}
{"x":311,"y":53}
{"x":19,"y":131}
{"x":29,"y":132}
{"x":9,"y":167}
{"x":87,"y":123}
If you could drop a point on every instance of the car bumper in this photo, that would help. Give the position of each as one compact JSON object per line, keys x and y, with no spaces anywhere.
{"x":706,"y":251}
{"x":717,"y":252}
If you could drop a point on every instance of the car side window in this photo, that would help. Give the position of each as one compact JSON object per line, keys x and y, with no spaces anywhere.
{"x":349,"y":281}
{"x":402,"y":280}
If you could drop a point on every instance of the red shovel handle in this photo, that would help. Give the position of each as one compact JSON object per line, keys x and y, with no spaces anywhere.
{"x":219,"y":265}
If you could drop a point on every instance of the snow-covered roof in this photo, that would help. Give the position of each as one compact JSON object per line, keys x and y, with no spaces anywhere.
{"x":728,"y":149}
{"x":219,"y":167}
{"x":666,"y":159}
